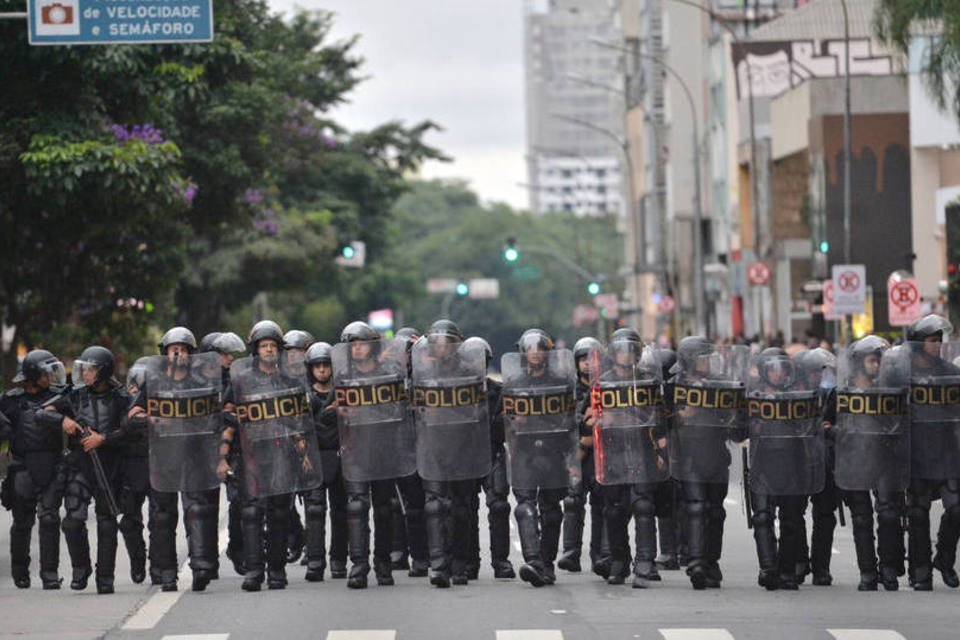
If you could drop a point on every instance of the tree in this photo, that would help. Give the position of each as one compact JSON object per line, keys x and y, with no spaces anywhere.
{"x":897,"y":22}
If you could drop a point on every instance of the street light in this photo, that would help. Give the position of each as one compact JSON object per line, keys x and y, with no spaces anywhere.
{"x":698,"y":288}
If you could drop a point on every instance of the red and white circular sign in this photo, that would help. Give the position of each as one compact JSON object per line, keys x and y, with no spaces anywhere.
{"x":905,"y":304}
{"x":849,"y":281}
{"x":758,"y":273}
{"x":904,"y":294}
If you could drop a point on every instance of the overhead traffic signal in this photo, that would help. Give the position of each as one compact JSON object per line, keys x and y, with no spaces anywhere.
{"x":510,"y":251}
{"x":462,"y":289}
{"x":353,"y":254}
{"x":824,"y":246}
{"x":593,"y":287}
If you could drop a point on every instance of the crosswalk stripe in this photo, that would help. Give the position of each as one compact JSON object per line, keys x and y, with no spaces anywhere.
{"x":865,"y":634}
{"x":362,"y":634}
{"x":695,"y":634}
{"x":530,"y":634}
{"x":198,"y":636}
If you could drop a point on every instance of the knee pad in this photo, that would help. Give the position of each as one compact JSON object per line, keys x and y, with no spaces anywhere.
{"x":49,"y":519}
{"x":524,"y":511}
{"x":643,"y":505}
{"x":106,"y":525}
{"x":887,"y":513}
{"x":315,"y":511}
{"x":251,"y":513}
{"x":357,"y":508}
{"x":435,"y":506}
{"x":499,"y":507}
{"x":70,"y":524}
{"x":762,"y":519}
{"x":129,"y":525}
{"x":695,"y":508}
{"x":573,"y":502}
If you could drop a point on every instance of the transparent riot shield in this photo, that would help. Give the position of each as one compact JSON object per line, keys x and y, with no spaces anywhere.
{"x":626,"y":400}
{"x":450,"y":410}
{"x":872,"y":432}
{"x":377,"y":436}
{"x":184,"y":419}
{"x":934,"y":410}
{"x":280,"y":452}
{"x":539,"y":418}
{"x":787,"y":453}
{"x":707,"y":404}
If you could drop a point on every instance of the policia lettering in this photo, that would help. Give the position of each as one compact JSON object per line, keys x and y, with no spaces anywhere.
{"x":461,"y":396}
{"x":545,"y":405}
{"x":935,"y":394}
{"x":273,"y":408}
{"x":881,"y":404}
{"x":372,"y":394}
{"x":709,"y":398}
{"x":633,"y":396}
{"x":199,"y":407}
{"x":783,"y":409}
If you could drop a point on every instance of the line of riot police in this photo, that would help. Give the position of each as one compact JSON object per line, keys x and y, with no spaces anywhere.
{"x":414,"y":428}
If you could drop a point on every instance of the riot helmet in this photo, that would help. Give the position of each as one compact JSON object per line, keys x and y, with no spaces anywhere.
{"x":478,"y":342}
{"x":583,"y":347}
{"x":668,"y":358}
{"x":94,"y":367}
{"x":359,"y":331}
{"x":178,"y":335}
{"x":229,"y":343}
{"x":297,"y":339}
{"x":39,"y":362}
{"x":693,"y":356}
{"x":775,"y":368}
{"x":318,"y":353}
{"x":866,"y":354}
{"x":927,"y":326}
{"x":208,"y":341}
{"x":264,"y":330}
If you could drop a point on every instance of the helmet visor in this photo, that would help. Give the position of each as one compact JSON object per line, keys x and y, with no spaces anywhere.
{"x":56,"y":372}
{"x":84,"y":373}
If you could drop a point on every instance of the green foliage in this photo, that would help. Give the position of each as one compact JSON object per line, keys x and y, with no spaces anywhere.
{"x":442,"y":231}
{"x":897,"y":22}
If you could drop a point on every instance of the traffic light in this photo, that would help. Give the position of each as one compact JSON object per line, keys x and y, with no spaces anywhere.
{"x":462,"y":289}
{"x":510,"y":251}
{"x":593,"y":287}
{"x":824,"y":246}
{"x":353,"y":254}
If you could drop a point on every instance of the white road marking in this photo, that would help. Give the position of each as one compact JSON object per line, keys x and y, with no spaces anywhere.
{"x":530,"y":634}
{"x":865,"y":634}
{"x":157,"y":606}
{"x":152,"y":611}
{"x":558,"y":612}
{"x":362,"y":634}
{"x":695,"y":634}
{"x":198,"y":636}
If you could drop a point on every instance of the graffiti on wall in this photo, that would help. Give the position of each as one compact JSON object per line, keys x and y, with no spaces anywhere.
{"x":775,"y":67}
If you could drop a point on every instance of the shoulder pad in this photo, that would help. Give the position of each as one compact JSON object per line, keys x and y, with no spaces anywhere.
{"x":13,"y":393}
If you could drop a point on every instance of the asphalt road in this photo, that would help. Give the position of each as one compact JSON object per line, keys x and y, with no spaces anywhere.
{"x":579,"y":606}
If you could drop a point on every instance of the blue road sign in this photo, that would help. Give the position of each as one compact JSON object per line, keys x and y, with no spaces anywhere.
{"x":60,"y":22}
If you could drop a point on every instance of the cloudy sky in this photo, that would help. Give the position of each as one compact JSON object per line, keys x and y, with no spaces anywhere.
{"x":457,"y":62}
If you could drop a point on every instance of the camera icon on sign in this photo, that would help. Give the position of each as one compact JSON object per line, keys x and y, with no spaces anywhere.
{"x":57,"y":18}
{"x":56,"y":13}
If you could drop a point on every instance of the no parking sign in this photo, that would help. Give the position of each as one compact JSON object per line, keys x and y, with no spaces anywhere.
{"x":903,"y":295}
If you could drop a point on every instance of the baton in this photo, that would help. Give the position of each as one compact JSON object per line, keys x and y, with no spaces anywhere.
{"x":745,"y":486}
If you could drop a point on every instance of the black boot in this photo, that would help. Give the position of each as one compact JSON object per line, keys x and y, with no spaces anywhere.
{"x":573,"y":516}
{"x":384,"y":572}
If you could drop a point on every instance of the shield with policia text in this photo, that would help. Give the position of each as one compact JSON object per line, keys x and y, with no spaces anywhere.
{"x":872,"y":431}
{"x":377,"y":436}
{"x":707,"y":401}
{"x":539,"y":418}
{"x":627,"y":402}
{"x":934,"y":409}
{"x":280,"y":452}
{"x":787,"y":455}
{"x":184,"y":420}
{"x":450,"y":410}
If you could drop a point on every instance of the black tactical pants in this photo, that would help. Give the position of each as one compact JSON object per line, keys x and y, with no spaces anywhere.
{"x":80,"y":489}
{"x":448,"y":522}
{"x":778,"y":559}
{"x":330,"y":496}
{"x":920,"y":494}
{"x":539,"y":516}
{"x":497,"y":490}
{"x":705,"y":514}
{"x":35,"y":496}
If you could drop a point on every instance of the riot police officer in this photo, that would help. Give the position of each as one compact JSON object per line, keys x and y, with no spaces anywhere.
{"x":543,"y":446}
{"x":699,"y":456}
{"x":574,"y":505}
{"x":935,"y":457}
{"x":33,"y":488}
{"x":786,"y":447}
{"x":495,"y":486}
{"x":667,"y":493}
{"x":94,"y":414}
{"x":631,"y":451}
{"x":333,"y":491}
{"x":295,"y":344}
{"x":182,"y":464}
{"x":871,"y":454}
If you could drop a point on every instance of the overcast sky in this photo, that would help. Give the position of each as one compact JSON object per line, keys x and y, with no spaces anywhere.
{"x":457,"y":62}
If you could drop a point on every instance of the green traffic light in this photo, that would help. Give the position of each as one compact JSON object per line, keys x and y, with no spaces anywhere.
{"x":824,"y":246}
{"x":348,"y":252}
{"x":511,"y":255}
{"x":593,"y":288}
{"x":462,"y":289}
